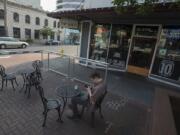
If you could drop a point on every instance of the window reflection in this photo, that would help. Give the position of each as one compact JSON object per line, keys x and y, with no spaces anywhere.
{"x":167,"y":61}
{"x":118,"y":46}
{"x":99,"y":42}
{"x":71,"y":37}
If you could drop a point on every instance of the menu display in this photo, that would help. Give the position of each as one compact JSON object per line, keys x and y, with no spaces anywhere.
{"x":146,"y":31}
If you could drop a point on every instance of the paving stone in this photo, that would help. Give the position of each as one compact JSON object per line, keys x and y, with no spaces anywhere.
{"x":22,"y":116}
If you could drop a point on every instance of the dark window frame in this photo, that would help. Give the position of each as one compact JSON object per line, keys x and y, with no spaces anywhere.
{"x":52,"y":36}
{"x":1,"y":14}
{"x":27,"y":19}
{"x":58,"y":37}
{"x":58,"y":25}
{"x":16,"y":17}
{"x":37,"y":21}
{"x":36,"y":34}
{"x":54,"y":24}
{"x":45,"y":36}
{"x":46,"y":22}
{"x":27,"y":33}
{"x":16,"y":32}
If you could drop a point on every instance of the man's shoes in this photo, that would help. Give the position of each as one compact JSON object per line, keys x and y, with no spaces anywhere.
{"x":70,"y":106}
{"x":74,"y":117}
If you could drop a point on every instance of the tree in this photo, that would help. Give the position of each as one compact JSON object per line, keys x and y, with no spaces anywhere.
{"x":46,"y":31}
{"x":141,"y":8}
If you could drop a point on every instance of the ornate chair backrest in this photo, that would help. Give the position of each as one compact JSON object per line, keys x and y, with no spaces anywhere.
{"x":2,"y":71}
{"x":41,"y":93}
{"x":32,"y":80}
{"x":37,"y":64}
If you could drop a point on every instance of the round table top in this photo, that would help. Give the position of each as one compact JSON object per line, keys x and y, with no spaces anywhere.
{"x":26,"y":71}
{"x":68,"y":90}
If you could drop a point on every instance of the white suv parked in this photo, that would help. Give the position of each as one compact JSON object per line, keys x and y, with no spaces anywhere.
{"x":10,"y":42}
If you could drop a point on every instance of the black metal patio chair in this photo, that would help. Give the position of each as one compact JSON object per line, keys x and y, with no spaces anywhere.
{"x":49,"y":104}
{"x":31,"y":81}
{"x":97,"y":106}
{"x":37,"y":65}
{"x":7,"y":77}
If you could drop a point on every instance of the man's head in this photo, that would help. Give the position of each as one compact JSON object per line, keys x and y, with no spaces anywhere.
{"x":96,"y":78}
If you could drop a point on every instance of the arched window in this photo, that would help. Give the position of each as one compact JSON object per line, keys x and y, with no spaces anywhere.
{"x":58,"y":24}
{"x":1,"y":14}
{"x":37,"y":21}
{"x":54,"y":24}
{"x":46,"y":22}
{"x":27,"y":19}
{"x":16,"y":17}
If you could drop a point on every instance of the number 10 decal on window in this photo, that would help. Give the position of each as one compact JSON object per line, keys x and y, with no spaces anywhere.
{"x":166,"y":68}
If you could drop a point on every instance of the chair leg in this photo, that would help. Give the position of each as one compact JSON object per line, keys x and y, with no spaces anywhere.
{"x":39,"y":75}
{"x":92,"y":119}
{"x":100,"y":113}
{"x":2,"y":85}
{"x":82,"y":112}
{"x":45,"y":117}
{"x":16,"y":82}
{"x":6,"y":82}
{"x":26,"y":89}
{"x":12,"y":84}
{"x":44,"y":112}
{"x":29,"y":92}
{"x":59,"y":115}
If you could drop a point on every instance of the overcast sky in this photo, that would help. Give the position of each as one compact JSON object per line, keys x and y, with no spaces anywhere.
{"x":48,"y":5}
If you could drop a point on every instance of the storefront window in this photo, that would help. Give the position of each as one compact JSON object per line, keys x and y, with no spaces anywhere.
{"x":72,"y":37}
{"x":16,"y":32}
{"x":167,"y":60}
{"x":119,"y":46}
{"x":99,"y":42}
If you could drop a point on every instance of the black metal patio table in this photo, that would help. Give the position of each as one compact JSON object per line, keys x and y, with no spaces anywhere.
{"x":68,"y":90}
{"x":24,"y":73}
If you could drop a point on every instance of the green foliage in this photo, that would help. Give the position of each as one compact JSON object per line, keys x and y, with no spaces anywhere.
{"x":125,"y":2}
{"x":46,"y":31}
{"x":141,"y":8}
{"x":30,"y":41}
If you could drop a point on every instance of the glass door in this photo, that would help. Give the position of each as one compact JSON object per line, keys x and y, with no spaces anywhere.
{"x":142,"y":49}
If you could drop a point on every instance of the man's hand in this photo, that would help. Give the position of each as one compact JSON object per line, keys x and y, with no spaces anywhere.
{"x":92,"y":100}
{"x":89,"y":91}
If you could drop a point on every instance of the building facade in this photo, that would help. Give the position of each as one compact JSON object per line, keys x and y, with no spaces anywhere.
{"x":144,"y":45}
{"x":33,"y":3}
{"x":25,"y":22}
{"x":69,"y":4}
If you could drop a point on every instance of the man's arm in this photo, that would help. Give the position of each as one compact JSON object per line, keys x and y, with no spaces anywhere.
{"x":89,"y":91}
{"x":90,"y":95}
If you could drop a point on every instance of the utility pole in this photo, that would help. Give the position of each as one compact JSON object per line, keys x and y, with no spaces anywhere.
{"x":5,"y":18}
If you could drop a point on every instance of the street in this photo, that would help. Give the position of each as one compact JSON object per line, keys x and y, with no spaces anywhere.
{"x":67,"y":49}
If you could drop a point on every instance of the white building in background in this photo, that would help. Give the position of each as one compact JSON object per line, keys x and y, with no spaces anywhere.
{"x":25,"y":22}
{"x":33,"y":3}
{"x":97,"y":3}
{"x":62,"y":5}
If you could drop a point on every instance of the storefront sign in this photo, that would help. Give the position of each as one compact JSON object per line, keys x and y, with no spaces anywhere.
{"x":166,"y":68}
{"x":172,"y":33}
{"x":162,"y":52}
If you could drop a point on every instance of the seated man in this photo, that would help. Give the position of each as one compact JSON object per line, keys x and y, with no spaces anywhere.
{"x":89,"y":96}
